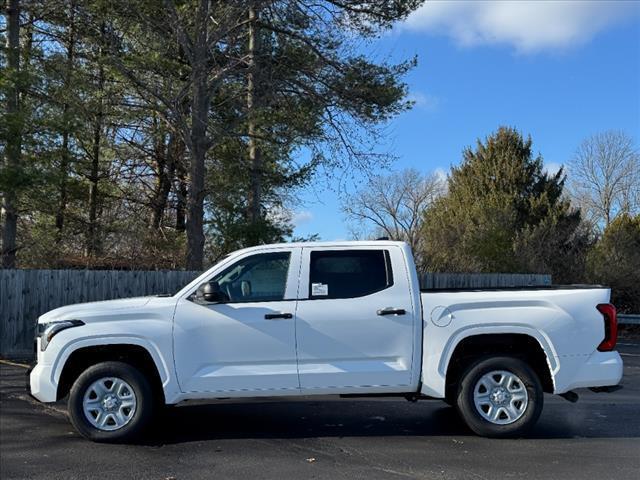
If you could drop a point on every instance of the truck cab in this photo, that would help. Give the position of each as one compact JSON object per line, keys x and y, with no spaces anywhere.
{"x":302,"y":320}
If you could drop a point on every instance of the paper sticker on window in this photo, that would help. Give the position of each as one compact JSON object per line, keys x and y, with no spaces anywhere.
{"x":319,"y":289}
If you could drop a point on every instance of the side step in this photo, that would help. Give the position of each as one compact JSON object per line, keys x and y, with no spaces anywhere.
{"x":411,"y":396}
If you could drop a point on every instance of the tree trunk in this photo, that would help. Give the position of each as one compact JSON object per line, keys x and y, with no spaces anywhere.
{"x":64,"y":173}
{"x":94,"y":176}
{"x":198,"y":142}
{"x":195,"y":210}
{"x":181,"y":188}
{"x":13,"y":149}
{"x":162,"y":160}
{"x":65,"y":154}
{"x":255,"y":157}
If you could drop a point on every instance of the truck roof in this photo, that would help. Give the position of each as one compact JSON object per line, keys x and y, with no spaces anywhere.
{"x":334,"y":243}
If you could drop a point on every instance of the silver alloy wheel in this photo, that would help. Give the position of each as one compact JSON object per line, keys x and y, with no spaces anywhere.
{"x":109,"y":403}
{"x":500,"y":397}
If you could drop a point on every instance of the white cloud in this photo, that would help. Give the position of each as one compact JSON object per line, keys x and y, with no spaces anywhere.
{"x":299,"y":218}
{"x":527,"y":25}
{"x":440,"y":174}
{"x":284,"y":215}
{"x":552,"y":167}
{"x":424,"y":100}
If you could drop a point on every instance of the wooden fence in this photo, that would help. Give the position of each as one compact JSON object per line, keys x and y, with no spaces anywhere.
{"x":27,"y":294}
{"x":482,"y":280}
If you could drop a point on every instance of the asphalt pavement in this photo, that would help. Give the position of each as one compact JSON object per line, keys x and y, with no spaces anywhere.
{"x":598,"y":438}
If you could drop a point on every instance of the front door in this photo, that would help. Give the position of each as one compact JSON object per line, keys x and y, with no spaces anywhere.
{"x":246,"y":343}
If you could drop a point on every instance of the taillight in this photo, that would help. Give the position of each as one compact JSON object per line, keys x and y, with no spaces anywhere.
{"x":608,"y":311}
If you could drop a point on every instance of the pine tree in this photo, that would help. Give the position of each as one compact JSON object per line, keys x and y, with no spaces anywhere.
{"x":615,"y":261}
{"x":504,"y":213}
{"x":157,"y":132}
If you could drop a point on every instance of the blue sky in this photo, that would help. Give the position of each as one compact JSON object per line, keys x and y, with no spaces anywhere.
{"x":559,"y":71}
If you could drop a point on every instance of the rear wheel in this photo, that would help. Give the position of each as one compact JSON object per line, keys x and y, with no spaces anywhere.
{"x":499,"y":397}
{"x":110,"y":402}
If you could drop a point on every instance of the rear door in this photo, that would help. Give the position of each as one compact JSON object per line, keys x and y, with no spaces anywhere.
{"x":355,"y":320}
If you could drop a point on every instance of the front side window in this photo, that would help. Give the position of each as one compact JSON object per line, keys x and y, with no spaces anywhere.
{"x":349,"y":273}
{"x":258,"y":278}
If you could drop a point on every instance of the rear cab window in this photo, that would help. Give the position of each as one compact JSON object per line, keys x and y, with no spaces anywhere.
{"x":348,"y":273}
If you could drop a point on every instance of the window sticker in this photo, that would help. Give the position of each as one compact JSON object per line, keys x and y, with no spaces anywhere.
{"x":319,"y":289}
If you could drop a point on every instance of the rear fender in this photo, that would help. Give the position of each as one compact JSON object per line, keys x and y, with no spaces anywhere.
{"x":434,"y":373}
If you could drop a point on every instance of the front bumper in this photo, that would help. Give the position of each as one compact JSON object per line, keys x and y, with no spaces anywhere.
{"x":39,"y":383}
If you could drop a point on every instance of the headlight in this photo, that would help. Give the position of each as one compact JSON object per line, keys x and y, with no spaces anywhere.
{"x":50,"y":330}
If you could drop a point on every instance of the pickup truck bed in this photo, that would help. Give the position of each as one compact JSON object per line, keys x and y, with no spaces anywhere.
{"x":562,"y":320}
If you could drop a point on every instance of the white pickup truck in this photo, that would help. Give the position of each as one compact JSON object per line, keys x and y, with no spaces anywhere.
{"x":341,"y":318}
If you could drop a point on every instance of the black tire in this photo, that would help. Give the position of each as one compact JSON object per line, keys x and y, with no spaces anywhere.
{"x":465,"y":397}
{"x":143,"y":394}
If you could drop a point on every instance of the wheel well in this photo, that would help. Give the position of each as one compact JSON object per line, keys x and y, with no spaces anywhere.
{"x":522,"y":346}
{"x":134,"y":355}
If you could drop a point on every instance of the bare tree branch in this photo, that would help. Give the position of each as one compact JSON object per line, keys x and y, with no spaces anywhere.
{"x":605,"y":177}
{"x":394,"y":205}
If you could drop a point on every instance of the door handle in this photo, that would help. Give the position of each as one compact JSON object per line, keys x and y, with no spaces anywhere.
{"x":274,"y":316}
{"x":391,"y":311}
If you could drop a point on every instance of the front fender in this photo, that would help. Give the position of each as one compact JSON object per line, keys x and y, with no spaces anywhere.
{"x":102,"y":340}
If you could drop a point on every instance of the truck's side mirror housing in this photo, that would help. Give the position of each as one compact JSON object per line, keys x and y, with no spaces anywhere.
{"x":210,"y":292}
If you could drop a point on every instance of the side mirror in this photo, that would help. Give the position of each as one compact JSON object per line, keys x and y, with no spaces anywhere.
{"x":210,"y":292}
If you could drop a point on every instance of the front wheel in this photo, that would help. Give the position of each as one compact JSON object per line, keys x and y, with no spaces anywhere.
{"x":500,"y":397}
{"x":110,"y":402}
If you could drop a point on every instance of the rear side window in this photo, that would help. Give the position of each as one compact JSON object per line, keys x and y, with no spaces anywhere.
{"x":349,"y":273}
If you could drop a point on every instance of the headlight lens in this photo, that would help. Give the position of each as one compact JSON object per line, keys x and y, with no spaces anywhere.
{"x":50,"y":330}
